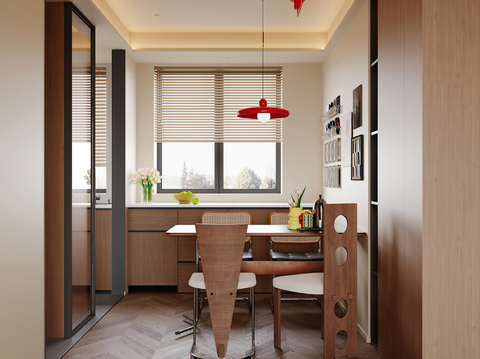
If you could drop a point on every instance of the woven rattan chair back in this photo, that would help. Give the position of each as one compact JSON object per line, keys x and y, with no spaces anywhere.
{"x":227,"y":218}
{"x":282,"y":218}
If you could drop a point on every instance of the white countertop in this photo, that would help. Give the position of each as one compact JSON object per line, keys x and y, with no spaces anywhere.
{"x":97,"y":206}
{"x":213,"y":205}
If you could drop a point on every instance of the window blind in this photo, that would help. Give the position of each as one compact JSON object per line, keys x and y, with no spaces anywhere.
{"x":101,"y":117}
{"x":201,"y":104}
{"x":81,"y":102}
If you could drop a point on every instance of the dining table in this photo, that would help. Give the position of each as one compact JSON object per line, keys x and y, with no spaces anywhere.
{"x":284,"y":267}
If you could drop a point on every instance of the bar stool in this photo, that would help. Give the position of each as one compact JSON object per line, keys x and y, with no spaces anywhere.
{"x":221,"y":248}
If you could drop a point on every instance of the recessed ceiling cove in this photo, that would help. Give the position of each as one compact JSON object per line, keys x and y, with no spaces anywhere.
{"x":223,"y":25}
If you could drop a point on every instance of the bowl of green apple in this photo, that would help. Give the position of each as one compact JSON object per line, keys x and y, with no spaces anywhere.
{"x":184,"y":197}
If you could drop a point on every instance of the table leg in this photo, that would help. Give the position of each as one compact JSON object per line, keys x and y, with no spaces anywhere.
{"x":277,"y":318}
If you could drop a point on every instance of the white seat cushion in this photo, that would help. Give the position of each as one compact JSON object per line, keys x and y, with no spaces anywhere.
{"x":246,"y":280}
{"x":307,"y":283}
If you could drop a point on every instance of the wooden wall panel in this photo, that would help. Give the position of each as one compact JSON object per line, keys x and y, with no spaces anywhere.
{"x":399,"y":179}
{"x":451,"y":191}
{"x":103,"y":250}
{"x":54,"y":170}
{"x":152,"y":259}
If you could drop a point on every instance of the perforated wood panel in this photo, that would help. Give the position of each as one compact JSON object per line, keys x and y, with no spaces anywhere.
{"x":340,"y":281}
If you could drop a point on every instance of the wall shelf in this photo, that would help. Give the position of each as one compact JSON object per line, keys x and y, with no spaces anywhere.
{"x":334,"y":111}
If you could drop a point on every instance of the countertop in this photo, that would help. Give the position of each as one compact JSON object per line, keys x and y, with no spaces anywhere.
{"x":97,"y":206}
{"x":213,"y":205}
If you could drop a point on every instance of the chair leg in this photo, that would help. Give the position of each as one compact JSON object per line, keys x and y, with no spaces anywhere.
{"x":322,"y":316}
{"x":195,"y":314}
{"x":252,"y":299}
{"x":277,"y":318}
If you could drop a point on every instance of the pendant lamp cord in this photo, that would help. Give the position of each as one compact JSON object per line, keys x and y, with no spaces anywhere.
{"x":263,"y":47}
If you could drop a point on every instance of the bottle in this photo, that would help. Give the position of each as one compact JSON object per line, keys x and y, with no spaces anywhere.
{"x":318,"y":212}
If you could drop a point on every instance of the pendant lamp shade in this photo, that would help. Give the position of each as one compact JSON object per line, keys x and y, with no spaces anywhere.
{"x":262,"y":110}
{"x":263,"y":113}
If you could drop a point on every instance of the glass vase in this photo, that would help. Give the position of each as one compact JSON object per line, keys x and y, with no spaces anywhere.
{"x":147,"y":194}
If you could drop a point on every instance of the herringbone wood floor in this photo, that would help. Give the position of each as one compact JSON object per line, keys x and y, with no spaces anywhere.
{"x":142,"y":325}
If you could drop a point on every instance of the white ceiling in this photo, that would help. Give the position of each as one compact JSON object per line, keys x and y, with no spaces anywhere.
{"x":224,"y":15}
{"x":209,"y":15}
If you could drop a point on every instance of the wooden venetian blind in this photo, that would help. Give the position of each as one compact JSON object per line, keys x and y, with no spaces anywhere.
{"x":201,"y":104}
{"x":81,"y":125}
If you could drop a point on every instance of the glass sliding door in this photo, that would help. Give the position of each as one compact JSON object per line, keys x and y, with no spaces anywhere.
{"x":82,"y":292}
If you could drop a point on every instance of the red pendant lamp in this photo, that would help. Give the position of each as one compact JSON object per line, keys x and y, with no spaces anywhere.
{"x":297,"y":5}
{"x":263,"y":113}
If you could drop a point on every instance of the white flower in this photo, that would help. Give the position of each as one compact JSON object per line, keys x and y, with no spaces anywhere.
{"x":89,"y":182}
{"x":298,"y":191}
{"x":86,"y":177}
{"x":89,"y":172}
{"x":145,"y":182}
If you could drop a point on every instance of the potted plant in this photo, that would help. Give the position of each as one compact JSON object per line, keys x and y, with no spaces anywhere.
{"x":295,"y":208}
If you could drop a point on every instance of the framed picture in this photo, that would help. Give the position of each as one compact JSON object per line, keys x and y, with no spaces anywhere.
{"x":357,"y":107}
{"x":346,"y":137}
{"x":357,"y":158}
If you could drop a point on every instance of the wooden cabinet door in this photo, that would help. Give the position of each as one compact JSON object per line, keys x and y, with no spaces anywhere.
{"x":151,"y":259}
{"x":103,"y":249}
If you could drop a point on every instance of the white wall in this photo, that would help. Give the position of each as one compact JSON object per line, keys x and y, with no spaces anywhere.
{"x":346,"y":67}
{"x":131,"y":127}
{"x":22,"y":241}
{"x":302,"y":96}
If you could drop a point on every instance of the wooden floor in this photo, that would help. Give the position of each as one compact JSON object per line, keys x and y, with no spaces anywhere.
{"x":142,"y":325}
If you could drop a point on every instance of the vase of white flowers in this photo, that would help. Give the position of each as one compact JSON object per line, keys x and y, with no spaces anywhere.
{"x":147,"y":178}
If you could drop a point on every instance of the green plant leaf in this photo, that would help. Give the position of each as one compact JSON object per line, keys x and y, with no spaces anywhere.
{"x":300,"y":198}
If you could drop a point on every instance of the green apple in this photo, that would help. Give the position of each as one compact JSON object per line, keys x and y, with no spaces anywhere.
{"x":189,"y":192}
{"x":195,"y":201}
{"x":184,"y":192}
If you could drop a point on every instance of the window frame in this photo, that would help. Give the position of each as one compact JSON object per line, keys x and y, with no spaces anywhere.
{"x":219,"y":174}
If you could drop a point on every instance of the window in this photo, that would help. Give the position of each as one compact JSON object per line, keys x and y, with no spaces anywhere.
{"x":201,"y":143}
{"x":81,"y":124}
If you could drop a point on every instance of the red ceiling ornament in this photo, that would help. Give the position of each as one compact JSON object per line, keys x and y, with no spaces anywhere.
{"x":263,"y":113}
{"x":297,"y":5}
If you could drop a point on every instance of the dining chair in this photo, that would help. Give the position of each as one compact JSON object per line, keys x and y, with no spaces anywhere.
{"x":231,"y":218}
{"x":336,"y":287}
{"x":223,"y":218}
{"x":282,"y":218}
{"x":221,"y":247}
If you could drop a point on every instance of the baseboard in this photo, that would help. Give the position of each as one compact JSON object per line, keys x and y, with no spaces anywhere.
{"x":364,"y":334}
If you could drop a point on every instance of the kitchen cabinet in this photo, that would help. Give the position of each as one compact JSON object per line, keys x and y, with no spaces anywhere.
{"x":153,"y":259}
{"x":151,"y":256}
